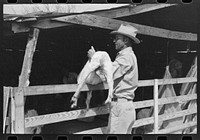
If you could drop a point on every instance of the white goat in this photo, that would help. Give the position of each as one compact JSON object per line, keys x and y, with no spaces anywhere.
{"x":98,"y":69}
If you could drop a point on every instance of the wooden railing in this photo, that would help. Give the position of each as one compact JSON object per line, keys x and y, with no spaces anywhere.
{"x":75,"y":114}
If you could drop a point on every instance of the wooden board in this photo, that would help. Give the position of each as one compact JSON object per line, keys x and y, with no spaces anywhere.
{"x":113,"y":24}
{"x":64,"y":88}
{"x":110,"y":13}
{"x":176,"y":128}
{"x":6,"y":94}
{"x":27,"y":62}
{"x":65,"y":116}
{"x":143,"y":122}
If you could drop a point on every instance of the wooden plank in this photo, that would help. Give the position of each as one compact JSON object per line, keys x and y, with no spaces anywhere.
{"x":164,"y":117}
{"x":177,"y":80}
{"x":65,"y":116}
{"x":64,"y":88}
{"x":113,"y":24}
{"x":6,"y":94}
{"x":12,"y":112}
{"x":176,"y":128}
{"x":110,"y":13}
{"x":19,"y":111}
{"x":129,"y":10}
{"x":144,"y":121}
{"x":155,"y":106}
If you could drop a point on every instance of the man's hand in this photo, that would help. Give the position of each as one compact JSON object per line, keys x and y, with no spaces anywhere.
{"x":91,"y":52}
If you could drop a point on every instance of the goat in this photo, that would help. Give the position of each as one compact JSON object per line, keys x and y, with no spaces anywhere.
{"x":97,"y":69}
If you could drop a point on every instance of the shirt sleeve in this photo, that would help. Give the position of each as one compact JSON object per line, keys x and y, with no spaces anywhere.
{"x":120,"y":66}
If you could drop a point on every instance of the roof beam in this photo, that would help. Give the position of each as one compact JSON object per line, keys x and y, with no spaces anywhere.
{"x":109,"y":13}
{"x":130,"y":10}
{"x":113,"y":24}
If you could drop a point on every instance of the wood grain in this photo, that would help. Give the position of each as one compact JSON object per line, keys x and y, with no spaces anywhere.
{"x":113,"y":24}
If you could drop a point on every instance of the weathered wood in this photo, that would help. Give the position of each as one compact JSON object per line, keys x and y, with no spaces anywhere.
{"x":164,"y":117}
{"x":65,"y":116}
{"x":6,"y":95}
{"x":64,"y":88}
{"x":110,"y":13}
{"x":177,"y":80}
{"x":113,"y":24}
{"x":156,"y":106}
{"x":161,"y":101}
{"x":129,"y":10}
{"x":144,"y":121}
{"x":27,"y":62}
{"x":24,"y":81}
{"x":12,"y":112}
{"x":19,"y":111}
{"x":176,"y":128}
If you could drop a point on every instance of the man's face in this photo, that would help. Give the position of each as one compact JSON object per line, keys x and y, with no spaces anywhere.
{"x":119,"y":42}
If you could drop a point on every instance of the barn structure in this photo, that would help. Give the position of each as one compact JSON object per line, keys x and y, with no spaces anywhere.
{"x":37,"y":47}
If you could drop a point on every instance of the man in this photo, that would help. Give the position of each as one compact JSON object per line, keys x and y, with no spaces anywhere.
{"x":125,"y":76}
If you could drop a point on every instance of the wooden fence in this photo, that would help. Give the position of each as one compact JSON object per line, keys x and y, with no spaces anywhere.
{"x":19,"y":123}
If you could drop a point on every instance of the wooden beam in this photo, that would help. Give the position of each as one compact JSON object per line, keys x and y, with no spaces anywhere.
{"x":176,"y":128}
{"x":65,"y":88}
{"x":6,"y":95}
{"x":145,"y":121}
{"x":27,"y":63}
{"x":19,"y":112}
{"x":65,"y":116}
{"x":113,"y":24}
{"x":109,"y":13}
{"x":129,"y":10}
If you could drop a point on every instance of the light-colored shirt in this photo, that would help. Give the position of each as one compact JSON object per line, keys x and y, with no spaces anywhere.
{"x":125,"y":74}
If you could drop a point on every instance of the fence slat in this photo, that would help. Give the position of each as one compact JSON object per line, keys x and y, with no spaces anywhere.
{"x":161,"y":101}
{"x":65,"y":116}
{"x":176,"y":128}
{"x":65,"y":88}
{"x":164,"y":117}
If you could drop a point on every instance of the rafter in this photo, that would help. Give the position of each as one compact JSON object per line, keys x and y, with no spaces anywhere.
{"x":113,"y":24}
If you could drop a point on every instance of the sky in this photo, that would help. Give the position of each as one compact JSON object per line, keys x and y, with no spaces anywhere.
{"x":28,"y":8}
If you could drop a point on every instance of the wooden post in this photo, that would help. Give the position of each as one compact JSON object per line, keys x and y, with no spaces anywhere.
{"x":24,"y":81}
{"x":19,"y":111}
{"x":27,"y":63}
{"x":12,"y":112}
{"x":6,"y":95}
{"x":155,"y":106}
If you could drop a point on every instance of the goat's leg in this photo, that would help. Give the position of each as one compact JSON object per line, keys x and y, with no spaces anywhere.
{"x":81,"y":83}
{"x":89,"y":96}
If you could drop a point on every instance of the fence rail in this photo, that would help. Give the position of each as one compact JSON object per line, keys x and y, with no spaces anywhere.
{"x":70,"y":115}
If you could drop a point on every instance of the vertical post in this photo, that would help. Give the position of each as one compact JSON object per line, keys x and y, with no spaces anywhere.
{"x":24,"y":81}
{"x":12,"y":112}
{"x":6,"y":95}
{"x":155,"y":106}
{"x":19,"y":111}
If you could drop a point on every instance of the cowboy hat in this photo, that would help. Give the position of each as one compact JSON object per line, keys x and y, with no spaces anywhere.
{"x":128,"y":31}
